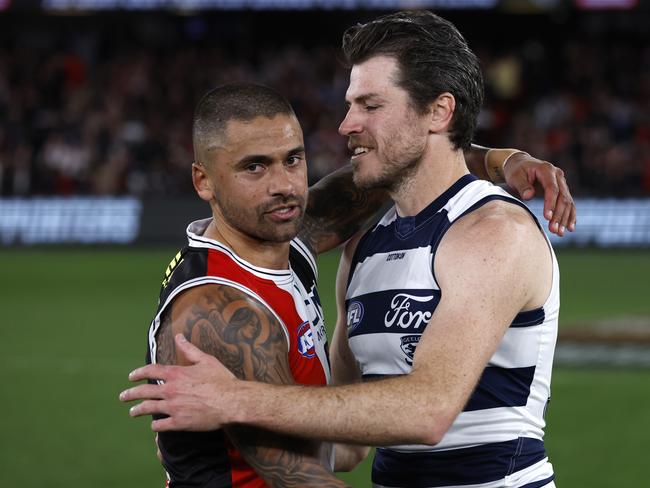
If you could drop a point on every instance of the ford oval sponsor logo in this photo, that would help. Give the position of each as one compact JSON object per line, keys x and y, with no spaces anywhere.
{"x":401,"y":315}
{"x":306,"y":341}
{"x":355,"y":314}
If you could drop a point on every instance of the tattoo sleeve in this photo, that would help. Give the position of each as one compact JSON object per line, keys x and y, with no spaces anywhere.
{"x":337,"y":209}
{"x":247,"y":338}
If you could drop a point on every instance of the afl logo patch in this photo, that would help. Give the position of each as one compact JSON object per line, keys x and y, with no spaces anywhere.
{"x":408,"y":345}
{"x":306,"y":341}
{"x":355,"y":314}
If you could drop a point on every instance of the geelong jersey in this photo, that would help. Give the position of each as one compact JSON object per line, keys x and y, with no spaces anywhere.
{"x":208,"y":459}
{"x":392,"y":293}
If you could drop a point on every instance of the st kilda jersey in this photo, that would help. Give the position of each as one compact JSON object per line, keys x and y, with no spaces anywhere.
{"x":208,"y":459}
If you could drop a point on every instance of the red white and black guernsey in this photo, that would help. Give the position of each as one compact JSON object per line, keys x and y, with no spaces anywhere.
{"x":208,"y":459}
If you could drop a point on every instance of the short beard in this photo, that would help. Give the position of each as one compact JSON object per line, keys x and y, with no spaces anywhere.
{"x":263,"y":230}
{"x":392,"y":177}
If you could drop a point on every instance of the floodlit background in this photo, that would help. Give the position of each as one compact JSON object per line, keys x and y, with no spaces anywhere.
{"x":96,"y":100}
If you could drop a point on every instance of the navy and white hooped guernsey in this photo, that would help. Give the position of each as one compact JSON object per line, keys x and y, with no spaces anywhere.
{"x":497,"y":440}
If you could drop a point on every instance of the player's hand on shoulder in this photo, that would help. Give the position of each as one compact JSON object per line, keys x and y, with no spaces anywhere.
{"x":220,"y":334}
{"x":186,"y":394}
{"x":528,"y":175}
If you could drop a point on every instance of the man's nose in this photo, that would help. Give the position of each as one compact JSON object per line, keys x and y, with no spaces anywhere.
{"x":351,"y":124}
{"x":282,"y":181}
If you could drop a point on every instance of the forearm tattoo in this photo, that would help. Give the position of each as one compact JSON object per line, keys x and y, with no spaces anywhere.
{"x":336,"y":209}
{"x":281,"y":460}
{"x":166,"y":350}
{"x":247,"y":338}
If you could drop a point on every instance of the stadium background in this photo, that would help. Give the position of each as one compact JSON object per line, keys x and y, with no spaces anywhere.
{"x":95,"y":110}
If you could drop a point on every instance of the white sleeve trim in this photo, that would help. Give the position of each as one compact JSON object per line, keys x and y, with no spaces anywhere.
{"x":306,"y":253}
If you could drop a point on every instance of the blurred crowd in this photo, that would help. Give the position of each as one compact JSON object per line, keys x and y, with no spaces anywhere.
{"x":92,"y":113}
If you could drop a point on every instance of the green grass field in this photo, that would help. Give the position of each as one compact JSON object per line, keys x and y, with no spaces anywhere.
{"x":74,"y":323}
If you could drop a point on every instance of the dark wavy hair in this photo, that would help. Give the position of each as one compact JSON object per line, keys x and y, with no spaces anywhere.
{"x":433,"y":58}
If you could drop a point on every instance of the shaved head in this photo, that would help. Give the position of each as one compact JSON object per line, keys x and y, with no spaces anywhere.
{"x":242,"y":102}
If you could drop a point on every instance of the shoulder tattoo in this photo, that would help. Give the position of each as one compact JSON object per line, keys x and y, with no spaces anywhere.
{"x":232,"y":326}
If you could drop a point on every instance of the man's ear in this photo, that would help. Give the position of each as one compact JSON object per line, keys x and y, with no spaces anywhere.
{"x":201,"y":181}
{"x":441,"y":112}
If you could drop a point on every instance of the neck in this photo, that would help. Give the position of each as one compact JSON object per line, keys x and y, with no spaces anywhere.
{"x":271,"y":255}
{"x":440,"y":167}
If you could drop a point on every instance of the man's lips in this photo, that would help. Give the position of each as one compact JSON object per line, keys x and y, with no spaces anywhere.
{"x":284,"y":212}
{"x":359,"y":150}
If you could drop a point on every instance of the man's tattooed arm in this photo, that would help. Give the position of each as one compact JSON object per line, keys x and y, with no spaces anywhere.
{"x":246,"y":337}
{"x":337,"y":209}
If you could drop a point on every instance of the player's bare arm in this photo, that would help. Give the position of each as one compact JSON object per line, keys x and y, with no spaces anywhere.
{"x":337,"y":209}
{"x":527,"y":176}
{"x":345,"y":369}
{"x":246,"y":337}
{"x":499,"y":255}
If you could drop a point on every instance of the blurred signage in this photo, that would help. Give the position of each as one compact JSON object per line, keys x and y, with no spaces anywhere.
{"x":604,"y":223}
{"x":87,"y":220}
{"x":606,"y":4}
{"x":193,"y":5}
{"x":69,"y":220}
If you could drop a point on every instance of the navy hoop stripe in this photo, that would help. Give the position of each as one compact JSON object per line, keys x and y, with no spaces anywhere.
{"x":473,"y":465}
{"x":501,"y":387}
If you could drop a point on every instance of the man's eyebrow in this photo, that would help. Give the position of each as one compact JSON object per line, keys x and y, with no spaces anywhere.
{"x":296,"y":150}
{"x":253,"y":159}
{"x":363,"y":98}
{"x":265,"y":158}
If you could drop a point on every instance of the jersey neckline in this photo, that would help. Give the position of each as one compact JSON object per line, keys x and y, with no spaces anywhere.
{"x":406,"y":225}
{"x":196,"y":238}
